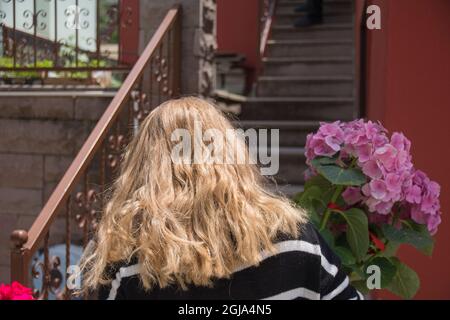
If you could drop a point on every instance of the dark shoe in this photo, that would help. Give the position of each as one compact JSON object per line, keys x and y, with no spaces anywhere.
{"x":307,"y":21}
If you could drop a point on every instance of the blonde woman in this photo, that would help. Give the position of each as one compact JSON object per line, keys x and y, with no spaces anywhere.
{"x":180,"y":229}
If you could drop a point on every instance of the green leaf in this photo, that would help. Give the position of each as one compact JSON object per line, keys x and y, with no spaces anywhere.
{"x":387,"y":269}
{"x":357,"y":272}
{"x":313,"y":192}
{"x":419,"y":238}
{"x":357,"y":232}
{"x":428,"y":248}
{"x":390,"y":249}
{"x":324,"y":160}
{"x":318,"y":181}
{"x":346,"y":256}
{"x":406,"y":282}
{"x":308,"y":200}
{"x":328,"y":237}
{"x":314,"y":218}
{"x":305,"y":199}
{"x":339,"y":176}
{"x":361,"y":286}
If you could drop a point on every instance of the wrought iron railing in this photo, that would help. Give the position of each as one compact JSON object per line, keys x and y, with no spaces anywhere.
{"x":73,"y":209}
{"x":65,"y":36}
{"x":267,"y":15}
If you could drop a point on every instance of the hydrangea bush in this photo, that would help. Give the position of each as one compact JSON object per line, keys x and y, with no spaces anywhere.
{"x":366,"y":198}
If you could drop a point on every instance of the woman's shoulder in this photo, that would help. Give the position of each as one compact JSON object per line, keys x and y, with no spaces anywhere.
{"x":306,"y":233}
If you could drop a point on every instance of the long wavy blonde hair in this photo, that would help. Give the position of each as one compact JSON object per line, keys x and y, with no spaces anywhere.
{"x":186,"y":223}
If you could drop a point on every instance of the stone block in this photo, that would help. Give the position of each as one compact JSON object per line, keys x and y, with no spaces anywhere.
{"x":20,"y":201}
{"x":55,"y":167}
{"x":41,"y":137}
{"x":7,"y":225}
{"x":90,"y":108}
{"x":21,"y":171}
{"x":36,"y":107}
{"x":4,"y":273}
{"x":49,"y":187}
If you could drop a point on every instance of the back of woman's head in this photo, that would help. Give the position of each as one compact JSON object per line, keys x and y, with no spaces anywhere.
{"x":184,"y":214}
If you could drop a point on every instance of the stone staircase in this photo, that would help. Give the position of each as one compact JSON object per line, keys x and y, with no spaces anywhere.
{"x":307,"y":77}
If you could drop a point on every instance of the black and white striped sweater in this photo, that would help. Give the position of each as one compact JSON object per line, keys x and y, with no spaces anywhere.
{"x":303,"y":268}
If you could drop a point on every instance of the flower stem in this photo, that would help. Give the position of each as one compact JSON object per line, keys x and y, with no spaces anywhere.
{"x":327,"y":213}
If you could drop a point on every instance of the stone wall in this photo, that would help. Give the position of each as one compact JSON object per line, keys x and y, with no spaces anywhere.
{"x":40,"y":133}
{"x":198,"y":40}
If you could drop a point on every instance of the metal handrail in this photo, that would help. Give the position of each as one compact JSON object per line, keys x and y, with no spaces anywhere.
{"x":155,"y":77}
{"x":269,"y":7}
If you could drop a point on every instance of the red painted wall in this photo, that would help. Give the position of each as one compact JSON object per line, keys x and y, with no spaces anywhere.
{"x":238,"y":29}
{"x":408,"y":89}
{"x":129,"y":31}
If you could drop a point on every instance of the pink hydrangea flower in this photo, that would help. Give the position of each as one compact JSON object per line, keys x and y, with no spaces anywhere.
{"x":414,"y":194}
{"x":372,"y":169}
{"x":352,"y":195}
{"x":378,"y":189}
{"x":423,"y":197}
{"x":392,"y":180}
{"x":326,"y":142}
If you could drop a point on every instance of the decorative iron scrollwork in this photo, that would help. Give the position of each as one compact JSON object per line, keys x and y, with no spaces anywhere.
{"x":49,"y":271}
{"x":141,"y":105}
{"x":116,"y":143}
{"x":160,"y":73}
{"x":74,"y":16}
{"x":86,"y":217}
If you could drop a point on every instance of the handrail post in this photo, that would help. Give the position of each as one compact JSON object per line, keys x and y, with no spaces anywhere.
{"x":19,"y":258}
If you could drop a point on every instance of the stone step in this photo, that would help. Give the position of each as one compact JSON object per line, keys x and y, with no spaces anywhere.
{"x":297,"y":108}
{"x":291,"y":165}
{"x":305,"y":86}
{"x":284,"y":18}
{"x":271,"y":124}
{"x":291,"y":133}
{"x":322,"y":31}
{"x":328,"y":7}
{"x":305,"y":67}
{"x":310,"y":48}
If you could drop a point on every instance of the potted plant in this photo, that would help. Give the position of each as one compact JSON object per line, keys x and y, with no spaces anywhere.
{"x":28,"y":77}
{"x":366,"y":198}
